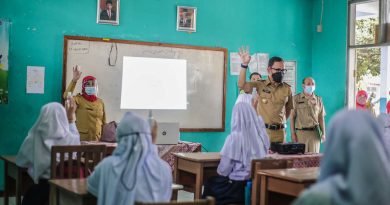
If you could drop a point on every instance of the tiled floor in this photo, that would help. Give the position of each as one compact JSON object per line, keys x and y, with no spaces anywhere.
{"x":182,"y":196}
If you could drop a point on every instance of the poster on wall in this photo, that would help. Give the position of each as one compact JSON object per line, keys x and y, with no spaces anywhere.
{"x":4,"y":50}
{"x":35,"y":80}
{"x":107,"y":12}
{"x":291,"y":75}
{"x":258,"y":63}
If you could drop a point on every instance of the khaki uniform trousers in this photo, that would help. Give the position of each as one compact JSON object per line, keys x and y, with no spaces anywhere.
{"x":310,"y":139}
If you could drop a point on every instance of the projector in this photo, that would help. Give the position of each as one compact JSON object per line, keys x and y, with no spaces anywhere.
{"x":288,"y":148}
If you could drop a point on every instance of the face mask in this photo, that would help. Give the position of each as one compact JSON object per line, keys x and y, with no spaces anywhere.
{"x":309,"y":89}
{"x":278,"y":77}
{"x":90,"y":90}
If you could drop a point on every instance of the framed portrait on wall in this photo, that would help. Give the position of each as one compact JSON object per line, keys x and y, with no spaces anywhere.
{"x":186,"y":19}
{"x":107,"y":12}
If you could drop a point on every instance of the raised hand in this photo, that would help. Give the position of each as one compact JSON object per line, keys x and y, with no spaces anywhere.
{"x":76,"y":73}
{"x":70,"y":107}
{"x":244,"y":54}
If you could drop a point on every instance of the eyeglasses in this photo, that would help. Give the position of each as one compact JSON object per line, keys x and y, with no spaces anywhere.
{"x":279,"y":70}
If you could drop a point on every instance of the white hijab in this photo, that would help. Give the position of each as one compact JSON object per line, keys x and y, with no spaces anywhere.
{"x":134,"y":172}
{"x":247,"y":140}
{"x":384,"y":120}
{"x":51,"y":128}
{"x":247,"y":98}
{"x":355,"y":167}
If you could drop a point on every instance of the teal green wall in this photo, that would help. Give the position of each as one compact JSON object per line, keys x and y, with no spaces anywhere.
{"x":277,"y":27}
{"x":329,"y":58}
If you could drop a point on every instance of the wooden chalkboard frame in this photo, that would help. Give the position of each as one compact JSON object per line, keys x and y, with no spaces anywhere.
{"x":94,"y":39}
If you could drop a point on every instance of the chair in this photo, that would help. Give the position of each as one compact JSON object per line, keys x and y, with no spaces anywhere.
{"x":84,"y":158}
{"x":258,"y":164}
{"x":207,"y":201}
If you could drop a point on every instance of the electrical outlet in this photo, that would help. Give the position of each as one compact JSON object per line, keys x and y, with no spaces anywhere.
{"x":319,"y":28}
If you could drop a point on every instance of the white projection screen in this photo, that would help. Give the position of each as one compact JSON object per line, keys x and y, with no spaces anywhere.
{"x":154,"y":83}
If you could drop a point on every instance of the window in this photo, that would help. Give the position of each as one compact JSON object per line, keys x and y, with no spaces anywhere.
{"x":368,"y":66}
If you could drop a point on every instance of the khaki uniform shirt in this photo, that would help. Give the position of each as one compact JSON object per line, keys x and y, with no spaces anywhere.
{"x":90,"y":116}
{"x":272,"y":104}
{"x":273,"y":101}
{"x":308,"y":110}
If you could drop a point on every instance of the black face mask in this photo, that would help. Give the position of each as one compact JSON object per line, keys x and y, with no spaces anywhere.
{"x":278,"y":77}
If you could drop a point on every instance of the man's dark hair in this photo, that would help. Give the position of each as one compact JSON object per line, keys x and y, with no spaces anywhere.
{"x":108,"y":2}
{"x":304,"y":79}
{"x":254,"y":73}
{"x":273,"y":60}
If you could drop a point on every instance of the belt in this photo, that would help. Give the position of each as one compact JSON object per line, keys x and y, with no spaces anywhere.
{"x":306,"y":128}
{"x":275,"y":127}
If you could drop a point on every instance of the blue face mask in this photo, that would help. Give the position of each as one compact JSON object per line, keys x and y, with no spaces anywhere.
{"x":90,"y":90}
{"x":309,"y":89}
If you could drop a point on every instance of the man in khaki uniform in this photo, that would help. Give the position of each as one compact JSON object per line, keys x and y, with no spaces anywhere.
{"x":274,"y":101}
{"x":307,"y":119}
{"x":90,"y":111}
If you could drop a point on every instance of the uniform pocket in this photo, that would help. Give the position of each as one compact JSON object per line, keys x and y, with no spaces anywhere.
{"x":301,"y":106}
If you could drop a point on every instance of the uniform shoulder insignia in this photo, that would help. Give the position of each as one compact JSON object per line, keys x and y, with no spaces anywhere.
{"x":286,"y":84}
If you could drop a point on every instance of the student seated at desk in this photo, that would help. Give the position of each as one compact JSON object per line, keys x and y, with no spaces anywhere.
{"x":248,"y":140}
{"x":54,"y":126}
{"x":355,"y":166}
{"x":134,"y":172}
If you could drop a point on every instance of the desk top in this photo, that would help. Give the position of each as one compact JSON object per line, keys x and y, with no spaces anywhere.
{"x":9,"y":158}
{"x":75,"y":186}
{"x":200,"y":156}
{"x":300,"y":175}
{"x":79,"y":186}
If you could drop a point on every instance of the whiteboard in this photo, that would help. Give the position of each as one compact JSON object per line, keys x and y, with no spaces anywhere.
{"x":206,"y":78}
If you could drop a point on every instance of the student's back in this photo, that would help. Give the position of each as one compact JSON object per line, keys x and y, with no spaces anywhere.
{"x":134,"y":172}
{"x":355,"y":166}
{"x":248,"y":140}
{"x":54,"y":126}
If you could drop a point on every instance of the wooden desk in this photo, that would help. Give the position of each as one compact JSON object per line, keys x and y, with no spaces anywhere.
{"x":74,"y":191}
{"x":70,"y":191}
{"x":289,"y":182}
{"x":16,"y":180}
{"x":192,"y":169}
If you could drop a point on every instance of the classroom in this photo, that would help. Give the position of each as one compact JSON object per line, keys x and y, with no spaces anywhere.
{"x":167,"y":86}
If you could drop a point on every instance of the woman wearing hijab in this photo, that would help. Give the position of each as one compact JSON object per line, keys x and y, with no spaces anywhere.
{"x":135,"y":172}
{"x":54,"y":126}
{"x":361,"y":100}
{"x":90,"y":111}
{"x":355,"y":167}
{"x":246,"y":98}
{"x":248,"y":140}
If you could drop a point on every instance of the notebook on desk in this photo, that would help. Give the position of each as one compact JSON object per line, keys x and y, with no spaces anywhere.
{"x":168,"y":133}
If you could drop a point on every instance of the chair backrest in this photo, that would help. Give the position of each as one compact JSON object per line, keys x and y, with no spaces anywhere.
{"x":267,"y":163}
{"x":75,"y":161}
{"x":207,"y":201}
